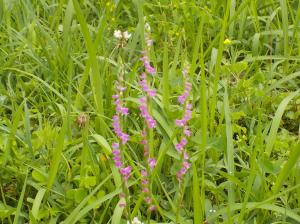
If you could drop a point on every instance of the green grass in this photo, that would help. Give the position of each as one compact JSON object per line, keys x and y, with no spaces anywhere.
{"x":59,"y":60}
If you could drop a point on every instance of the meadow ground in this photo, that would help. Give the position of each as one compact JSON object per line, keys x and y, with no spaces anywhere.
{"x":166,"y":111}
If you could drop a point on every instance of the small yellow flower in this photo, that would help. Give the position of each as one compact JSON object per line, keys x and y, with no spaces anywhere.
{"x":227,"y":41}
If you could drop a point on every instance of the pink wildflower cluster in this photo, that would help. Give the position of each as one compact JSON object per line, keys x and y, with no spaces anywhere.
{"x":144,"y":142}
{"x":186,"y":117}
{"x":117,"y":129}
{"x":146,"y":190}
{"x":118,"y":161}
{"x":151,"y":162}
{"x":123,"y":137}
{"x":145,"y":59}
{"x":120,"y":110}
{"x":151,"y":123}
{"x":150,"y":92}
{"x":182,"y":99}
{"x":185,"y":165}
{"x":187,"y":88}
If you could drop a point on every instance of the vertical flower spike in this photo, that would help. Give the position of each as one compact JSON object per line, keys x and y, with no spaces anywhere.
{"x":123,"y":138}
{"x":145,"y":112}
{"x":183,"y":123}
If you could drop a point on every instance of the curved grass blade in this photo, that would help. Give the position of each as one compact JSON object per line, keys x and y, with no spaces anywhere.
{"x":20,"y":202}
{"x":276,"y":122}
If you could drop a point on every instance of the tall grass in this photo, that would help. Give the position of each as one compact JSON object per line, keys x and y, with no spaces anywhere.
{"x":59,"y":63}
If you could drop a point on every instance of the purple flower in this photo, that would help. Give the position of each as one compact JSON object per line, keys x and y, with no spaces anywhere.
{"x":147,"y":200}
{"x":152,"y":208}
{"x":181,"y":144}
{"x":126,"y":172}
{"x":151,"y":123}
{"x":118,"y":131}
{"x":187,"y":89}
{"x":117,"y":155}
{"x":187,"y":131}
{"x":144,"y":173}
{"x":152,"y":162}
{"x":187,"y":115}
{"x":143,"y":83}
{"x":145,"y":190}
{"x":147,"y":65}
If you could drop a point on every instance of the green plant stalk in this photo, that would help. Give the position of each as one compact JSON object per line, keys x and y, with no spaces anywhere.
{"x":122,"y":147}
{"x":232,"y":12}
{"x":180,"y":198}
{"x":218,"y":69}
{"x":204,"y":124}
{"x":20,"y":202}
{"x":165,"y":85}
{"x":96,"y":79}
{"x":230,"y":150}
{"x":4,"y":202}
{"x":285,"y":24}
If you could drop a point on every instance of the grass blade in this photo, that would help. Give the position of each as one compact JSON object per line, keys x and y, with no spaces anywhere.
{"x":20,"y":202}
{"x":276,"y":122}
{"x":230,"y":149}
{"x":96,"y":79}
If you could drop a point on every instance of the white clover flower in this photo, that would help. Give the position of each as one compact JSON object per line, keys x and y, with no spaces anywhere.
{"x":135,"y":221}
{"x":118,"y":34}
{"x":126,"y":35}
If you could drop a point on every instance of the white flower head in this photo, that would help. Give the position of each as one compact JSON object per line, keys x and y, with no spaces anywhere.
{"x":135,"y":221}
{"x":126,"y":35}
{"x":118,"y":34}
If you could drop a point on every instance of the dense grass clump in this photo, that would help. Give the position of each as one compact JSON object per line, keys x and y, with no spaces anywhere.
{"x":167,"y":111}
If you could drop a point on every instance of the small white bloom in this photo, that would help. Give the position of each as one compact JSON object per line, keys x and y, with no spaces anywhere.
{"x":118,"y":34}
{"x":126,"y":35}
{"x":135,"y":221}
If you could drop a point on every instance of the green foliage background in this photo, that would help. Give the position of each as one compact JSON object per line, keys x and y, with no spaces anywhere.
{"x":59,"y":59}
